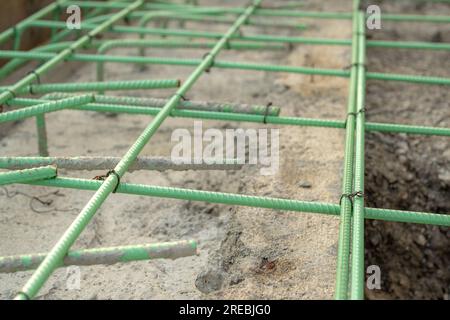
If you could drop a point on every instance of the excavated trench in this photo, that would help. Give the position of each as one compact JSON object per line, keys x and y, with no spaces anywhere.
{"x":409,"y":172}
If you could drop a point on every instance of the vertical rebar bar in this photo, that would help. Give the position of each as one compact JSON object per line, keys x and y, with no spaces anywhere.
{"x":342,"y":271}
{"x":42,"y":135}
{"x":357,"y":262}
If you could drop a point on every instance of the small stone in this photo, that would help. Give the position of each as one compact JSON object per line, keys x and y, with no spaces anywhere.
{"x":209,"y":281}
{"x":375,"y":239}
{"x":236,"y":279}
{"x":305,"y":184}
{"x":438,"y":240}
{"x":421,"y":240}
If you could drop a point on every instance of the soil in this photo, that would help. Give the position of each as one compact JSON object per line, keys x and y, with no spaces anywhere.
{"x":409,"y":172}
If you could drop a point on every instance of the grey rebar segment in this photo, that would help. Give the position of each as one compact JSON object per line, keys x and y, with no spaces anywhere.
{"x":106,"y":163}
{"x":268,"y":110}
{"x":105,"y":256}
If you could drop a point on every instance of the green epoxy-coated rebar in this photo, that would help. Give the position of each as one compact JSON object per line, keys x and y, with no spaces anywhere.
{"x":255,"y":37}
{"x":151,"y":106}
{"x":271,"y":12}
{"x":246,"y":200}
{"x":228,"y":115}
{"x":57,"y":253}
{"x":146,"y":19}
{"x":357,"y":258}
{"x":230,"y":65}
{"x":27,"y":175}
{"x":342,"y":266}
{"x":159,"y":103}
{"x":66,"y":52}
{"x":106,"y":256}
{"x":45,"y":107}
{"x":98,"y":86}
{"x":232,"y":45}
{"x":219,"y":19}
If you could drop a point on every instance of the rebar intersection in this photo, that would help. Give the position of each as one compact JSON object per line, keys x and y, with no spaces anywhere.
{"x":351,"y":207}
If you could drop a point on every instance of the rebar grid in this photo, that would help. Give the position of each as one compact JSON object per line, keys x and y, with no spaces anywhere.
{"x":351,"y":208}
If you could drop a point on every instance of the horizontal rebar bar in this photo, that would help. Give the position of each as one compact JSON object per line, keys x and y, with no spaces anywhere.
{"x":142,"y":44}
{"x":229,"y":65}
{"x":106,"y":163}
{"x":268,"y":110}
{"x":168,"y":15}
{"x":345,"y":218}
{"x":46,"y":107}
{"x":255,"y":37}
{"x":105,"y":256}
{"x":26,"y":175}
{"x":271,"y":12}
{"x":232,"y":45}
{"x":257,"y":118}
{"x":96,"y":86}
{"x":109,"y":44}
{"x":245,"y":200}
{"x":10,"y":32}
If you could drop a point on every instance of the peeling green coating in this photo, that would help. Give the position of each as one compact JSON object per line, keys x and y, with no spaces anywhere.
{"x":134,"y":254}
{"x":105,"y":256}
{"x":26,"y":261}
